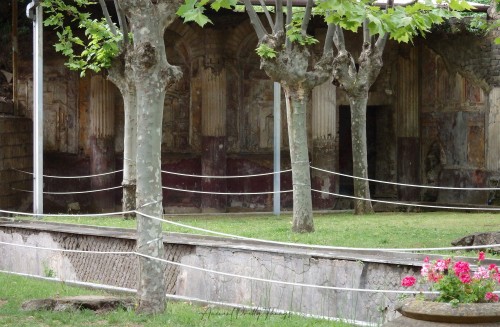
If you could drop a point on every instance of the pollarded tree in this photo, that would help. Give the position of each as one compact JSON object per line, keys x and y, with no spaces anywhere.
{"x":148,"y":74}
{"x":285,"y":51}
{"x":104,"y":48}
{"x":355,"y":76}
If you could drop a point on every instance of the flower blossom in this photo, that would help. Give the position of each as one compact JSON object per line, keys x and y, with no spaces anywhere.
{"x":408,"y":281}
{"x":492,"y":297}
{"x":441,"y":265}
{"x":481,"y":256}
{"x":425,"y":269}
{"x":482,"y":273}
{"x":465,"y":278}
{"x":461,"y":267}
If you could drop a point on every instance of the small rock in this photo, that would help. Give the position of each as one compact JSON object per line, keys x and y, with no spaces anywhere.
{"x":487,"y":238}
{"x":88,"y":302}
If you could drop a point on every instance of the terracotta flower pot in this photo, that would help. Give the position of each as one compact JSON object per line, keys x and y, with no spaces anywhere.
{"x":428,"y":313}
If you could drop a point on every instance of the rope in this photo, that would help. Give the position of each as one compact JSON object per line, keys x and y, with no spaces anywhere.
{"x":234,"y":176}
{"x":411,"y":185}
{"x":75,"y":192}
{"x":192,"y":299}
{"x":327,"y":247}
{"x":65,"y":250}
{"x":222,"y":193}
{"x":273,"y":281}
{"x":84,"y":176}
{"x":409,"y":204}
{"x":18,"y":213}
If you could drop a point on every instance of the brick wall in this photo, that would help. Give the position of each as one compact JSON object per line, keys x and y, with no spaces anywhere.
{"x":15,"y":153}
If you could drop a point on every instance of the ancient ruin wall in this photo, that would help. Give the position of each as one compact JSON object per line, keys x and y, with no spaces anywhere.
{"x":15,"y":153}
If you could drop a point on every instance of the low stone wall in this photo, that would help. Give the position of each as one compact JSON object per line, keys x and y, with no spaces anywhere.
{"x":290,"y":264}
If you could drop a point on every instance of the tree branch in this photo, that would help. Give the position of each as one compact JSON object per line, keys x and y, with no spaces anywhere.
{"x":108,"y":18}
{"x":278,"y":26}
{"x":289,"y":14}
{"x":329,"y":38}
{"x":254,"y":19}
{"x":307,"y":16}
{"x":266,"y":12}
{"x":338,"y":38}
{"x":366,"y":32}
{"x":122,"y":21}
{"x":381,"y":42}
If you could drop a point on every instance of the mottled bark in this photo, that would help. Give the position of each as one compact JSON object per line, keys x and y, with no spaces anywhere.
{"x":129,"y":152}
{"x":301,"y":179}
{"x":121,"y":75}
{"x":151,"y":75}
{"x":359,"y":153}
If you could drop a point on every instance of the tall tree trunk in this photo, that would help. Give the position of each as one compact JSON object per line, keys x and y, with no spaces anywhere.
{"x":129,"y":151}
{"x":121,"y":74}
{"x":149,"y":65}
{"x":152,"y":288}
{"x":296,"y":103}
{"x":358,"y":104}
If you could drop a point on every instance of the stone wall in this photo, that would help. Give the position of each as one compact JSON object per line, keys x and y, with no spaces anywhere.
{"x":259,"y":260}
{"x":15,"y":153}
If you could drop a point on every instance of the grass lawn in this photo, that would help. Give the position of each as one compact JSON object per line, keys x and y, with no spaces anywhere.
{"x":384,"y":230}
{"x":15,"y":290}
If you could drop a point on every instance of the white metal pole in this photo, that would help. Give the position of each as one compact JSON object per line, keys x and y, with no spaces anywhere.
{"x":38,"y":111}
{"x":277,"y":148}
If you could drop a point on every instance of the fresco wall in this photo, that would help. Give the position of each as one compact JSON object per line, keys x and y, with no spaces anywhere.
{"x":427,"y":124}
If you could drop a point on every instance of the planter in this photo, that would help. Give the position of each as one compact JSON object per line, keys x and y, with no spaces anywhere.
{"x":428,"y":313}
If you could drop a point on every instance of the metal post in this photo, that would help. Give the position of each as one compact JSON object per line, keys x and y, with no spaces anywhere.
{"x":34,"y":11}
{"x":15,"y":65}
{"x":277,"y":148}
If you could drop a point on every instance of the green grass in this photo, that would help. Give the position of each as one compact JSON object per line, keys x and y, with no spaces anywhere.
{"x":15,"y":290}
{"x":381,"y":230}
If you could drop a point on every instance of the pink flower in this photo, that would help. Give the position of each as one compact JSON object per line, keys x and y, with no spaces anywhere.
{"x":465,"y":278}
{"x":426,"y":259}
{"x":425,"y":269}
{"x":441,"y":265}
{"x":461,"y":267}
{"x":434,"y":277}
{"x":482,"y":273}
{"x":493,"y":267}
{"x":408,"y":281}
{"x":481,"y":256}
{"x":492,"y":297}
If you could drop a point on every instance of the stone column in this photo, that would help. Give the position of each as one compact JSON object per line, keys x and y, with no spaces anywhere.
{"x":102,"y":142}
{"x":408,"y":122}
{"x":493,"y":131}
{"x":213,"y":127}
{"x":325,"y":149}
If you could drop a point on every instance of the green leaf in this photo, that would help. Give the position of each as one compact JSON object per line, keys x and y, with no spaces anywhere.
{"x":226,"y":4}
{"x":265,"y":51}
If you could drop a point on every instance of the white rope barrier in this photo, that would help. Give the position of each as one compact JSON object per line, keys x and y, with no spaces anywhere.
{"x":410,"y":204}
{"x":274,"y":281}
{"x":64,"y":250}
{"x":228,"y":176}
{"x":195,"y":300}
{"x":311,"y":246}
{"x":323,"y":247}
{"x":258,"y":279}
{"x":71,"y":177}
{"x":74,"y":192}
{"x":18,"y":213}
{"x":223,"y":193}
{"x":411,"y":185}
